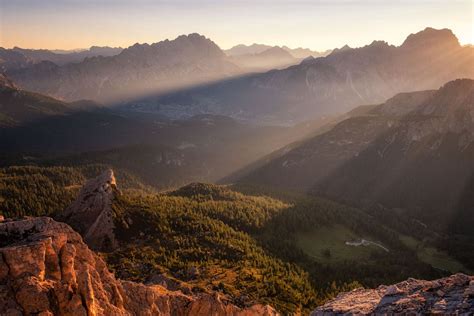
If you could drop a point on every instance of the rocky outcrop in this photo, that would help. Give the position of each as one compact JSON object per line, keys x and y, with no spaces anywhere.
{"x":91,"y":213}
{"x":46,"y":269}
{"x":453,"y":295}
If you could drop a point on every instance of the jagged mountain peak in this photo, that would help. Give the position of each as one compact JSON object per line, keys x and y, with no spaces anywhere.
{"x":276,"y":51}
{"x":430,"y":37}
{"x":340,"y":50}
{"x":345,"y":47}
{"x":379,"y":44}
{"x":193,"y":36}
{"x":308,"y":60}
{"x":184,"y":45}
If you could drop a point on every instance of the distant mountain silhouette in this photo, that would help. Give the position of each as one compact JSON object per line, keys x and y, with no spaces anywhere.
{"x":16,"y":57}
{"x":137,"y":69}
{"x":271,"y":58}
{"x":333,"y":84}
{"x":242,"y":49}
{"x":299,"y":53}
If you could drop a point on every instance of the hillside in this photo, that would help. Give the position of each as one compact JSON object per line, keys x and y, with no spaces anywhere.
{"x":58,"y":273}
{"x":411,"y":164}
{"x":44,"y":191}
{"x":20,"y":107}
{"x":327,"y":85}
{"x":401,"y":154}
{"x":302,"y":165}
{"x":291,"y":253}
{"x":36,"y":129}
{"x":195,"y":238}
{"x":396,"y":160}
{"x":47,"y":269}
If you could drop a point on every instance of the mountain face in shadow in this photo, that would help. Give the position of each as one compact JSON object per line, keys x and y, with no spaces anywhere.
{"x":333,"y":84}
{"x":423,"y":164}
{"x":19,"y":107}
{"x":304,"y":164}
{"x":414,"y":152}
{"x":140,"y":68}
{"x":162,"y":152}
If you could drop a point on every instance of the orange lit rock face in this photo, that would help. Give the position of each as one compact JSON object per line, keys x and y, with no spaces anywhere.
{"x":46,"y":269}
{"x":453,"y":295}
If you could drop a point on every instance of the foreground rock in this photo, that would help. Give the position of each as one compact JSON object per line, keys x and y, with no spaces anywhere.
{"x":453,"y":295}
{"x":46,"y":269}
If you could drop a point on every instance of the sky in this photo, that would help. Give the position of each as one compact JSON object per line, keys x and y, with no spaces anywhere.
{"x":315,"y":24}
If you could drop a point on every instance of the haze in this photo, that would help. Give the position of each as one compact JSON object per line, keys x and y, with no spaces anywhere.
{"x":318,"y":25}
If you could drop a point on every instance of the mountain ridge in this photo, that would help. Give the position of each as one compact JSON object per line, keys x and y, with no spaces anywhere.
{"x":186,"y":60}
{"x":386,"y":154}
{"x":300,"y":53}
{"x":327,"y":85}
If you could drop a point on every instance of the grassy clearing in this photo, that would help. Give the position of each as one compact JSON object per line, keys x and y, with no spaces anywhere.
{"x":436,"y":258}
{"x":327,"y":245}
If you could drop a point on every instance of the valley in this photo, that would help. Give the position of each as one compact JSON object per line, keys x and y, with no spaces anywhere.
{"x":174,"y":169}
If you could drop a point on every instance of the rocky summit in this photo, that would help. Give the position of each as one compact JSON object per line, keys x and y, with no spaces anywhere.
{"x":91,"y":213}
{"x":453,"y":295}
{"x":46,"y":269}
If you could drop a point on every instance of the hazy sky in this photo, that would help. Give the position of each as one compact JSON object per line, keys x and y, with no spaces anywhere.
{"x":317,"y":24}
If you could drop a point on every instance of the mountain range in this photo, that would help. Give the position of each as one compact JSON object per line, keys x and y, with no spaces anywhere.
{"x":138,"y":69}
{"x":165,"y":59}
{"x":191,"y":75}
{"x":271,"y":58}
{"x":336,"y":172}
{"x":17,"y":58}
{"x":253,"y":49}
{"x":344,"y":79}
